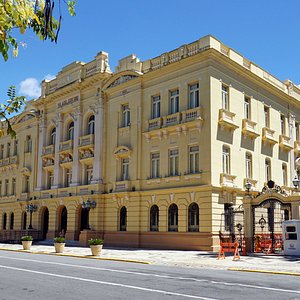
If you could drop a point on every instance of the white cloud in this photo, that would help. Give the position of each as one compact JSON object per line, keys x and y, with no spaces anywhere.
{"x":30,"y":87}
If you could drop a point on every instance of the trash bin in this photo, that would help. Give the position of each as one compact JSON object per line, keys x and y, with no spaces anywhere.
{"x":291,"y":237}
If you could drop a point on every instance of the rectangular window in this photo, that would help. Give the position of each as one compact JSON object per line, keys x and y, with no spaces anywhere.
{"x":125,"y":168}
{"x":16,"y":147}
{"x":155,"y":162}
{"x":173,"y":162}
{"x":248,"y":165}
{"x":13,"y":186}
{"x":226,"y":160}
{"x":282,"y":124}
{"x":50,"y":180}
{"x":26,"y":184}
{"x":8,"y":150}
{"x":268,"y":169}
{"x":1,"y":151}
{"x":194,"y":96}
{"x":6,"y":187}
{"x":89,"y":174}
{"x":174,"y":102}
{"x":267,"y":116}
{"x":68,"y":177}
{"x":225,"y":97}
{"x":284,"y":175}
{"x":247,"y":108}
{"x":1,"y":188}
{"x":194,"y":159}
{"x":125,"y":115}
{"x":297,"y":131}
{"x":28,"y":144}
{"x":155,"y":107}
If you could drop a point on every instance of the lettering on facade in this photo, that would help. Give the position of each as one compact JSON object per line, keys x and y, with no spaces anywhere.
{"x":121,"y":80}
{"x":68,"y":102}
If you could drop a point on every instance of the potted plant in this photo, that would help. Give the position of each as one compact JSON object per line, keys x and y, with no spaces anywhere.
{"x":96,"y":245}
{"x":59,"y":244}
{"x":26,"y":241}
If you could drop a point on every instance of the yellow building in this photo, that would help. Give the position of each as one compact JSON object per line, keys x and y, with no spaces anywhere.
{"x":163,"y":153}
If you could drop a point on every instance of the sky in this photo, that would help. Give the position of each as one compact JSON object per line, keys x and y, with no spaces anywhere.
{"x":266,"y":32}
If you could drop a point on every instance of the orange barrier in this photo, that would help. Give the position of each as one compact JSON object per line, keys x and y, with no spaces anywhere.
{"x":266,"y":246}
{"x":229,"y":247}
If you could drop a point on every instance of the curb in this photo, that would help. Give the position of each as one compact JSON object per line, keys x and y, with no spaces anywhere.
{"x":79,"y":256}
{"x":264,"y":271}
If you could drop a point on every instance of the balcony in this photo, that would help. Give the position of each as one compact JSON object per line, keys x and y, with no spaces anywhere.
{"x":86,"y":142}
{"x":227,"y":119}
{"x":48,"y":163}
{"x":297,"y":146}
{"x":86,"y":155}
{"x":285,"y":143}
{"x":227,"y":180}
{"x":66,"y":160}
{"x":249,"y":128}
{"x":122,"y":186}
{"x":48,"y":151}
{"x":172,"y":119}
{"x":268,"y":136}
{"x":24,"y":196}
{"x":66,"y":147}
{"x":9,"y":162}
{"x":154,"y":124}
{"x":191,"y":115}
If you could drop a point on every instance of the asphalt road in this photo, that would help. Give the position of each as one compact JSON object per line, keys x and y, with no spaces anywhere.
{"x":35,"y":276}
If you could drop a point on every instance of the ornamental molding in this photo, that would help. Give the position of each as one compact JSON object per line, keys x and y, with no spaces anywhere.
{"x":122,"y":79}
{"x":122,"y":152}
{"x":271,"y":188}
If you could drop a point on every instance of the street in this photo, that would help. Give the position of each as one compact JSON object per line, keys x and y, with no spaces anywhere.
{"x":35,"y":276}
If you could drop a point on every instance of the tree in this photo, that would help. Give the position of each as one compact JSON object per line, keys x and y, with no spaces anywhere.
{"x":14,"y":104}
{"x":36,"y":15}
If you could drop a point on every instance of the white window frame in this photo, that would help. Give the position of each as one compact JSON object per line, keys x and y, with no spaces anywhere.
{"x":284,"y":175}
{"x":53,"y":136}
{"x":282,"y":125}
{"x":13,"y":186}
{"x":174,"y":162}
{"x":155,"y":106}
{"x":247,"y":108}
{"x":193,"y":159}
{"x":68,"y":179}
{"x":155,"y":165}
{"x":125,"y":169}
{"x":226,"y":159}
{"x":89,"y":174}
{"x":125,"y":115}
{"x":194,"y":95}
{"x":225,"y":97}
{"x":248,"y":165}
{"x":174,"y":101}
{"x":267,"y":116}
{"x":268,"y":169}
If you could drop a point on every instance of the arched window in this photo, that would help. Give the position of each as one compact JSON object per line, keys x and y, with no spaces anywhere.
{"x":24,"y":221}
{"x":193,"y":217}
{"x":154,"y":214}
{"x":173,"y":218}
{"x":91,"y":125}
{"x":123,"y":218}
{"x":53,"y":136}
{"x":12,"y":219}
{"x":71,"y":131}
{"x":4,"y":221}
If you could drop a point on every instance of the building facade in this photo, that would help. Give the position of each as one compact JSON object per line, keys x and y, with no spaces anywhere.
{"x":165,"y":153}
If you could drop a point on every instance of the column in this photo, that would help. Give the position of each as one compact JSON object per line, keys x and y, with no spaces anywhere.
{"x":77,"y":134}
{"x":42,"y":143}
{"x":295,"y":211}
{"x":57,"y":181}
{"x":98,"y":142}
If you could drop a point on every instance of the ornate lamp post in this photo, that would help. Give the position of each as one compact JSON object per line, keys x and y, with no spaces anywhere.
{"x":296,"y":182}
{"x":248,"y":187}
{"x":88,"y":205}
{"x":31,"y":208}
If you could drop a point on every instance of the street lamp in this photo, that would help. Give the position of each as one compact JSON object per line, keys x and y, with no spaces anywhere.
{"x":296,"y":182}
{"x":88,"y":205}
{"x":31,"y":208}
{"x":248,"y":186}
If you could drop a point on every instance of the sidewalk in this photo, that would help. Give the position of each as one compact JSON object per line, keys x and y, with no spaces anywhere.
{"x":191,"y":259}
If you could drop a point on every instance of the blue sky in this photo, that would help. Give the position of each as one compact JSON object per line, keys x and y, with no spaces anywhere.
{"x":266,"y":32}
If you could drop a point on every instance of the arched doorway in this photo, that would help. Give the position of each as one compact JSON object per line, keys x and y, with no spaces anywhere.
{"x":45,"y":222}
{"x":24,"y":220}
{"x":84,"y":219}
{"x":63,"y":221}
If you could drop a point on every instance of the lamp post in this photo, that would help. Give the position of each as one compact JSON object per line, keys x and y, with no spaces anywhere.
{"x":248,"y":187}
{"x":88,"y":205}
{"x":296,"y":182}
{"x":31,"y":208}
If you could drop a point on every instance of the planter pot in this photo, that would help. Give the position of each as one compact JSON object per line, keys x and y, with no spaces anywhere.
{"x":96,"y":249}
{"x":26,"y":245}
{"x":59,"y":247}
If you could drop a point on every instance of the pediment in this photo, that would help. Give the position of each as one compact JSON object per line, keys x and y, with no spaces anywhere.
{"x":122,"y":152}
{"x":121,"y":78}
{"x":23,"y":118}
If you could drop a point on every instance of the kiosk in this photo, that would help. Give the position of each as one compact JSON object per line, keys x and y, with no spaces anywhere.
{"x":291,"y":237}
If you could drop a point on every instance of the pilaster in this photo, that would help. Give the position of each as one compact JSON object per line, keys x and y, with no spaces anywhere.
{"x":57,"y":181}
